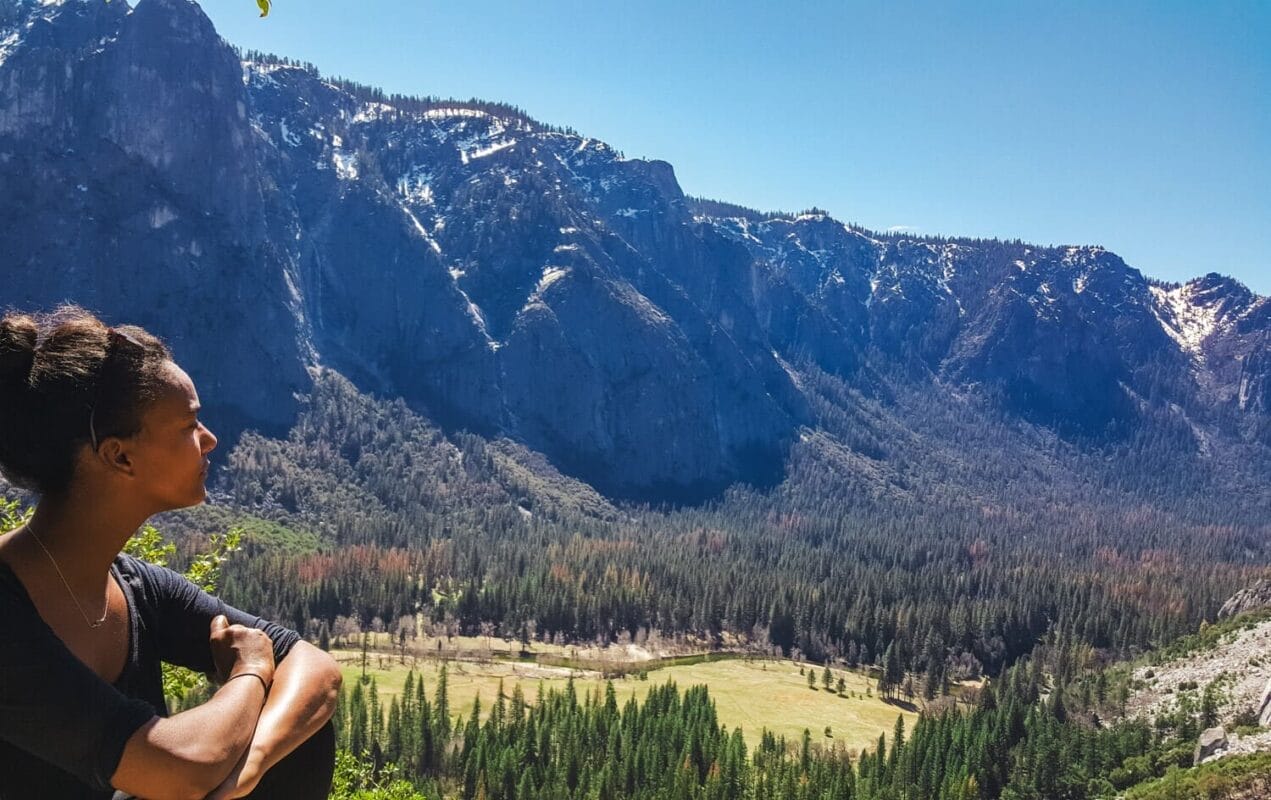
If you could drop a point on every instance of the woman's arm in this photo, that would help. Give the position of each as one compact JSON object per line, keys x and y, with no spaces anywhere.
{"x":189,"y":754}
{"x":302,"y":700}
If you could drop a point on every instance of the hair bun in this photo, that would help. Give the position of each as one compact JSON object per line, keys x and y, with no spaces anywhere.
{"x":18,"y":335}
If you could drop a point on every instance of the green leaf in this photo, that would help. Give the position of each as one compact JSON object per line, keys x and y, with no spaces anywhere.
{"x":149,"y":545}
{"x":12,"y":514}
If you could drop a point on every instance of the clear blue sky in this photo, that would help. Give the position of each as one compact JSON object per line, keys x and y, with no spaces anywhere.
{"x":1143,"y":127}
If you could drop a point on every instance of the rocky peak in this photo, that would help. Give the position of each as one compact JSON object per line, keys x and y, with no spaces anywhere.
{"x":42,"y":58}
{"x":176,"y":20}
{"x":1193,"y":312}
{"x":175,"y":98}
{"x":1215,"y":287}
{"x":20,"y":13}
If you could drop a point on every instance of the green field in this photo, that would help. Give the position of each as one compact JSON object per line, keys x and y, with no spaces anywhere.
{"x":752,"y":695}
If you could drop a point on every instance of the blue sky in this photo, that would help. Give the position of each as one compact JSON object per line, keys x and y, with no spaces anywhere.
{"x":1143,"y":127}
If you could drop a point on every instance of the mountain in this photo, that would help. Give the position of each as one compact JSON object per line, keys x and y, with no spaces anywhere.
{"x":515,"y":279}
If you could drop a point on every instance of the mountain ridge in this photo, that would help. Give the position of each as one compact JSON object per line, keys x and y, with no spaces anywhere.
{"x":513,"y":278}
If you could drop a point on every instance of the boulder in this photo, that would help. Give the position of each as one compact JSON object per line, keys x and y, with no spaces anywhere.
{"x":1210,"y":743}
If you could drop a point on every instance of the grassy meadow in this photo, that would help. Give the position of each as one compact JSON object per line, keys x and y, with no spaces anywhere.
{"x":749,"y":694}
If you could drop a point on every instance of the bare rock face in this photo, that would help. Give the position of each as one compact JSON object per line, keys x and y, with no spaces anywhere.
{"x":1264,"y":707}
{"x":1249,"y":599}
{"x":1210,"y":744}
{"x":132,"y":187}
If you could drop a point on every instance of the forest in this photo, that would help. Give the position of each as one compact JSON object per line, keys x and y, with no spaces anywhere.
{"x":1024,"y":736}
{"x":370,"y":518}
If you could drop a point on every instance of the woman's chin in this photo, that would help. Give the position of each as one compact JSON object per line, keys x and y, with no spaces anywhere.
{"x":196,"y":497}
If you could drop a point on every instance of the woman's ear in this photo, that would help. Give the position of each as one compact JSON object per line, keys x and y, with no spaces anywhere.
{"x":115,"y":454}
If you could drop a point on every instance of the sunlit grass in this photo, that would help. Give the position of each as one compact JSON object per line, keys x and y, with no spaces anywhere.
{"x":752,"y":695}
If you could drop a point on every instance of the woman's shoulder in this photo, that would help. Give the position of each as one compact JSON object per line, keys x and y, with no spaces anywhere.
{"x":149,"y":580}
{"x":131,"y":565}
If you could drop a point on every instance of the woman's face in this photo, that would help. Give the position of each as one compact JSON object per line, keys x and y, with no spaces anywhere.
{"x":170,"y":454}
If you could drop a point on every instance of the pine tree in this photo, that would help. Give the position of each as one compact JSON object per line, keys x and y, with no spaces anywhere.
{"x":441,"y":715}
{"x":358,"y":740}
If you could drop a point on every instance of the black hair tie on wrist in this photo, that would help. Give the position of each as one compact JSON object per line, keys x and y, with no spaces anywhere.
{"x":255,"y":675}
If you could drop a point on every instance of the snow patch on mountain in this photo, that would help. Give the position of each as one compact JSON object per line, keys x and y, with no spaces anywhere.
{"x":949,"y":267}
{"x":550,"y":276}
{"x":345,"y":164}
{"x":371,"y":112}
{"x":450,"y":113}
{"x":8,"y":44}
{"x":290,"y":138}
{"x":474,"y":311}
{"x":1187,"y":322}
{"x":422,"y":231}
{"x":416,"y":186}
{"x":481,"y":152}
{"x":259,"y":75}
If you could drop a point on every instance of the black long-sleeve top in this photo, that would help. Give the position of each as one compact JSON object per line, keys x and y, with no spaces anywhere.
{"x":62,"y":728}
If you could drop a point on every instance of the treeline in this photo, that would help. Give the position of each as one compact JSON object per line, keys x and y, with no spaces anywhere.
{"x":562,"y":746}
{"x":1022,"y":739}
{"x":721,"y":208}
{"x":408,"y":104}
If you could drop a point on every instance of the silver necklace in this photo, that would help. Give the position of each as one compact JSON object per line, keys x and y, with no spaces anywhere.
{"x":69,"y":590}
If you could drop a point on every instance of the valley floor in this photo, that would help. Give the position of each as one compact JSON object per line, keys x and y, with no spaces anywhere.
{"x":749,"y":694}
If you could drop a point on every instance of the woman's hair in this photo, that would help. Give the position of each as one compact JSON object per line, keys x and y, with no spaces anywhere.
{"x":66,"y":380}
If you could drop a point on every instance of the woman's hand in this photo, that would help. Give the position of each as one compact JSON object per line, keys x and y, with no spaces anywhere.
{"x":237,"y":649}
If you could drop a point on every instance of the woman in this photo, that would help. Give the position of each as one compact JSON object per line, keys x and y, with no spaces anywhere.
{"x":103,"y":426}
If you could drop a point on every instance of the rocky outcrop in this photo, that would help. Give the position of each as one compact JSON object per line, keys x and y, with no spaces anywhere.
{"x":1250,"y":598}
{"x":1236,"y":662}
{"x":1210,"y":745}
{"x":1264,"y":707}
